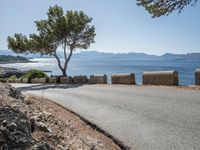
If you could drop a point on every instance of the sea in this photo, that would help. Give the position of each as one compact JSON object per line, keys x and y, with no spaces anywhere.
{"x":185,"y":68}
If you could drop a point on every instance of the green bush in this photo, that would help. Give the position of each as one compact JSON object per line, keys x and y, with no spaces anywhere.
{"x":34,"y":74}
{"x":2,"y":80}
{"x":13,"y":77}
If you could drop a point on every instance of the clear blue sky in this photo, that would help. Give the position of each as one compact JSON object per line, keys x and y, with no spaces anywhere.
{"x":121,"y":26}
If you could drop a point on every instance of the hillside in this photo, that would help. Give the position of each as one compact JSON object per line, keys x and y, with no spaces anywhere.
{"x":104,"y":55}
{"x":12,"y":59}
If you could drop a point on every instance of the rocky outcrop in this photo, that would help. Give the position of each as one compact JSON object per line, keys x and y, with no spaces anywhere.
{"x":15,"y":131}
{"x":7,"y":72}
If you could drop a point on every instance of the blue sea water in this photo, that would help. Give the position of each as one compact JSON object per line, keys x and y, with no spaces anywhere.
{"x":88,"y":67}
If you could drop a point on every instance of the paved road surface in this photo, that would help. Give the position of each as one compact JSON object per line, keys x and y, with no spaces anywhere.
{"x":144,"y":118}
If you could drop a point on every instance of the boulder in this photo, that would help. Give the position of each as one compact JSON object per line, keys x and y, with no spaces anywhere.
{"x":123,"y":78}
{"x":98,"y":79}
{"x":169,"y":78}
{"x":66,"y":80}
{"x":197,"y":77}
{"x":80,"y":79}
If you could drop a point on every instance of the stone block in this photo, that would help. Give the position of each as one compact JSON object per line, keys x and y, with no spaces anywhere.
{"x":169,"y":78}
{"x":123,"y":78}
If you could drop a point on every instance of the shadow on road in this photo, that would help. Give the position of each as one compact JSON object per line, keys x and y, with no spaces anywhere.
{"x":47,"y":86}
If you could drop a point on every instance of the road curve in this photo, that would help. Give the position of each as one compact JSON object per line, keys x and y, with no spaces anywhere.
{"x":143,"y":117}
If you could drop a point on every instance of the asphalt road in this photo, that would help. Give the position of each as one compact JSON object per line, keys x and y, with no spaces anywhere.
{"x":144,"y":118}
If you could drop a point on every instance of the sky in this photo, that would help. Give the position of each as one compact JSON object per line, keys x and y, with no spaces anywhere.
{"x":121,"y":26}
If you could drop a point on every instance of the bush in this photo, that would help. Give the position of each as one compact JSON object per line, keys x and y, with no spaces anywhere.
{"x":34,"y":74}
{"x":2,"y":80}
{"x":13,"y":77}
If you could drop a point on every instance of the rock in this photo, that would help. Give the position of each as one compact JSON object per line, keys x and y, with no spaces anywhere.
{"x":42,"y":146}
{"x":7,"y":72}
{"x":13,"y":92}
{"x":42,"y":127}
{"x":14,"y":129}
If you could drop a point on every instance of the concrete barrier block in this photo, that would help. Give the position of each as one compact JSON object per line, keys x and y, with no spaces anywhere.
{"x":53,"y":80}
{"x":25,"y":80}
{"x":42,"y":80}
{"x":35,"y":80}
{"x":197,"y":77}
{"x":98,"y":79}
{"x":80,"y":79}
{"x":66,"y":80}
{"x":123,"y":78}
{"x":169,"y":78}
{"x":18,"y":80}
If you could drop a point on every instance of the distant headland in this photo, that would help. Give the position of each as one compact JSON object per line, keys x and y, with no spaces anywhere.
{"x":104,"y":55}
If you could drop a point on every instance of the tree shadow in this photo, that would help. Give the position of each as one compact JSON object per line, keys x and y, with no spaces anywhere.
{"x":47,"y":86}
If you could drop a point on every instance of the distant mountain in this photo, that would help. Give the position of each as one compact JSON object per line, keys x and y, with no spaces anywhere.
{"x":102,"y":55}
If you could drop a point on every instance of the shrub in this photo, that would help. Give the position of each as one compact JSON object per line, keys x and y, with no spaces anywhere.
{"x":34,"y":74}
{"x":2,"y":80}
{"x":13,"y":77}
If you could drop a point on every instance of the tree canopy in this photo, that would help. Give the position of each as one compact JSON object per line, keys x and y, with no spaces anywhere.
{"x":70,"y":31}
{"x":159,"y":8}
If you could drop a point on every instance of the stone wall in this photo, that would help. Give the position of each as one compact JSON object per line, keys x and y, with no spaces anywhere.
{"x":43,"y":80}
{"x":66,"y":80}
{"x":35,"y":80}
{"x":53,"y":80}
{"x":197,"y":77}
{"x":25,"y":80}
{"x":123,"y":78}
{"x":98,"y":79}
{"x":80,"y":79}
{"x":169,"y":78}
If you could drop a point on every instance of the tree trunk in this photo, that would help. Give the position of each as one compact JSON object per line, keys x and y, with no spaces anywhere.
{"x":59,"y":64}
{"x":67,"y":59}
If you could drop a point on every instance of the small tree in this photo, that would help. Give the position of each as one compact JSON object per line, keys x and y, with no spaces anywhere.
{"x":158,"y":8}
{"x":68,"y":31}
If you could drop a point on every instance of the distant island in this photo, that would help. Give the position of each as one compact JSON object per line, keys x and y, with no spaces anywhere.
{"x":12,"y":59}
{"x":103,"y":55}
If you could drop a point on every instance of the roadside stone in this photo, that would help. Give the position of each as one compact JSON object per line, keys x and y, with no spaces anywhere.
{"x":41,"y":127}
{"x":42,"y":146}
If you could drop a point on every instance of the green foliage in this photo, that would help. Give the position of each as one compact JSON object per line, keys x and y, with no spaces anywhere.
{"x":13,"y":77}
{"x":159,"y":8}
{"x":71,"y":30}
{"x":34,"y":74}
{"x":3,"y":80}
